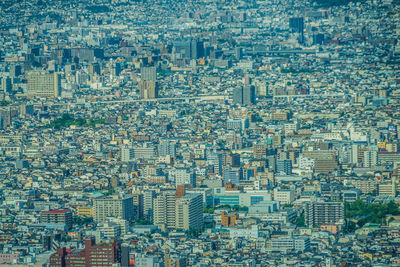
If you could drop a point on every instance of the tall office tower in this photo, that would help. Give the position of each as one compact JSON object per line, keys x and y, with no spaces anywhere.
{"x":297,"y":26}
{"x":317,"y":213}
{"x":166,"y":148}
{"x":148,"y":89}
{"x":116,"y":69}
{"x":238,"y":95}
{"x":234,"y":141}
{"x":244,"y":95}
{"x":238,"y":53}
{"x":284,"y":166}
{"x":15,"y":71}
{"x":149,"y":74}
{"x":216,"y":160}
{"x":183,"y":48}
{"x":94,"y":68}
{"x":185,"y":176}
{"x":114,"y":206}
{"x":247,"y":80}
{"x":197,"y":49}
{"x":164,"y":210}
{"x":44,"y":84}
{"x":6,"y":85}
{"x":189,"y":212}
{"x":249,"y":94}
{"x":138,"y":204}
{"x":148,"y":85}
{"x":231,"y":159}
{"x":190,"y":49}
{"x":148,"y":203}
{"x":354,"y":154}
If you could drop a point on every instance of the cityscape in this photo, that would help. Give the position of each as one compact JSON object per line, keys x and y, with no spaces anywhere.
{"x":229,"y":133}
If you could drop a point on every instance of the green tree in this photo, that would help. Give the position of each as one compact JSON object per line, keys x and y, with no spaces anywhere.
{"x":300,"y":221}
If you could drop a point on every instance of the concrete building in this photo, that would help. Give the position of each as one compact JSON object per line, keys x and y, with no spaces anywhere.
{"x":127,"y":154}
{"x":148,"y":202}
{"x":149,"y":74}
{"x":284,"y":196}
{"x":189,"y":212}
{"x":42,"y":84}
{"x":185,"y":176}
{"x":244,"y":95}
{"x":63,"y":217}
{"x":285,"y":244}
{"x":167,"y":148}
{"x":114,"y":206}
{"x":164,"y":210}
{"x":317,"y":213}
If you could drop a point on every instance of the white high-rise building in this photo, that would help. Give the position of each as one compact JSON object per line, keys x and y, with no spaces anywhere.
{"x":189,"y":212}
{"x":185,"y":176}
{"x":127,"y":154}
{"x":164,"y":210}
{"x":114,"y":206}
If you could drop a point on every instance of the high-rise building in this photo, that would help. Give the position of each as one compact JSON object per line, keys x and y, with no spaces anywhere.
{"x":249,"y":94}
{"x":116,"y":69}
{"x":297,"y":26}
{"x":138,"y":205}
{"x":94,"y":68}
{"x":317,"y":213}
{"x":149,"y":74}
{"x":167,"y":148}
{"x":42,"y":84}
{"x":185,"y":176}
{"x":189,"y":212}
{"x":284,"y":166}
{"x":114,"y":206}
{"x":216,"y":160}
{"x":15,"y":71}
{"x":6,"y":85}
{"x":62,"y":217}
{"x":232,"y":175}
{"x":183,"y":48}
{"x":259,"y":151}
{"x":354,"y":154}
{"x":244,"y":95}
{"x":164,"y":210}
{"x":148,"y":203}
{"x":190,"y":49}
{"x":127,"y":154}
{"x":238,"y":95}
{"x":148,"y":89}
{"x":370,"y":157}
{"x":197,"y":49}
